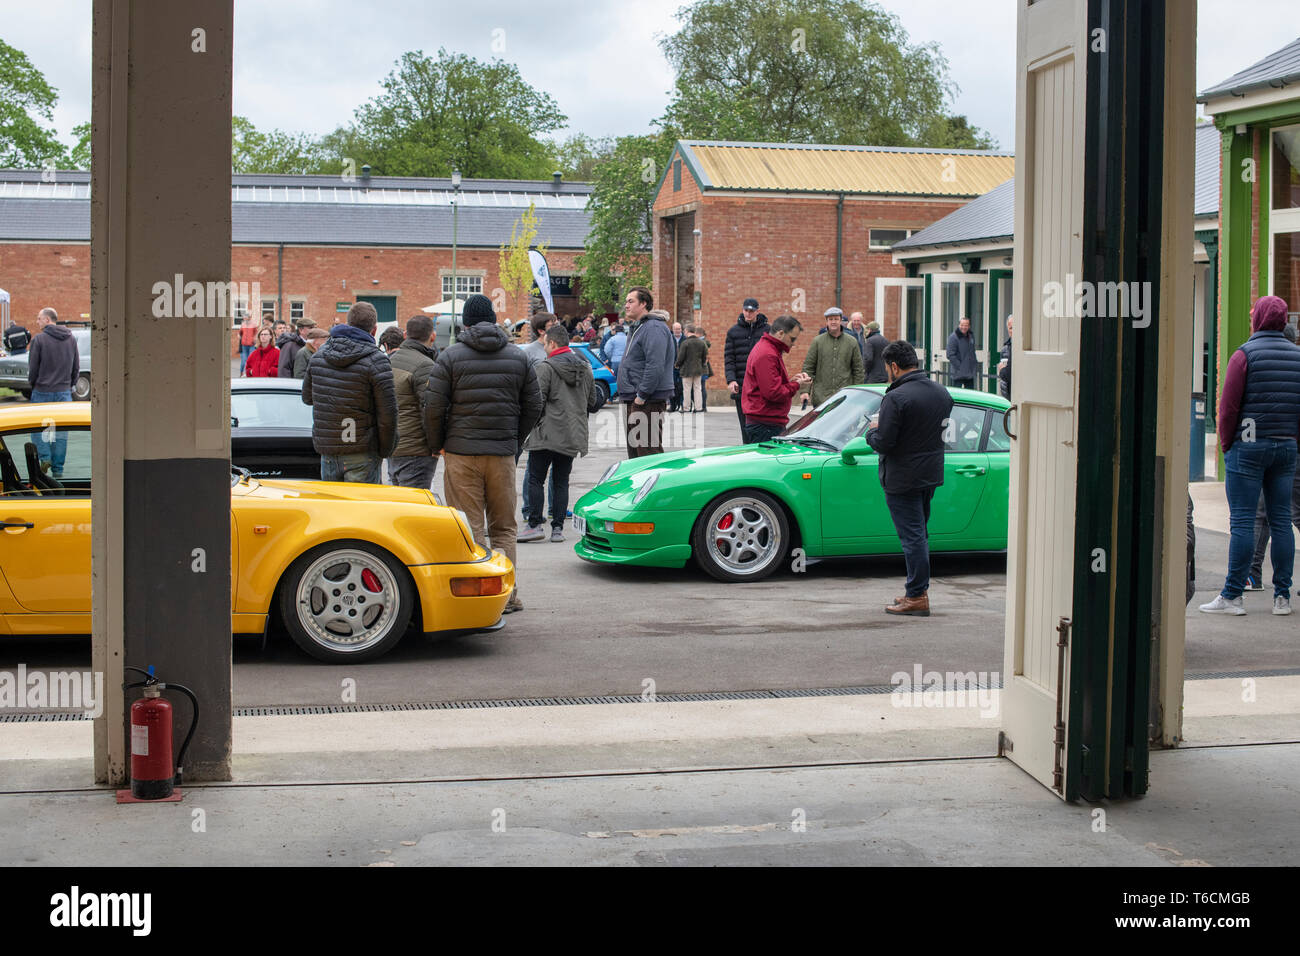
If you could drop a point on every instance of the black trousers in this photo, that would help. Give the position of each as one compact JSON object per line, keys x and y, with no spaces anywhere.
{"x":539,"y":461}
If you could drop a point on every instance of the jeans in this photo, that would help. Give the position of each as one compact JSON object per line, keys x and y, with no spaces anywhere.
{"x":550,"y":492}
{"x":756,"y":432}
{"x":559,"y":466}
{"x":911,"y":514}
{"x":361,"y":467}
{"x":244,"y":352}
{"x":1267,"y":465}
{"x":51,"y":454}
{"x":1261,"y":527}
{"x":413,"y":471}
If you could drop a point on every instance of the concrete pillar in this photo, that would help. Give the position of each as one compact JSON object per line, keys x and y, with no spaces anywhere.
{"x":160,"y":216}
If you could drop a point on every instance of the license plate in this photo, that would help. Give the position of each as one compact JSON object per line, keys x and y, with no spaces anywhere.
{"x":579,"y":524}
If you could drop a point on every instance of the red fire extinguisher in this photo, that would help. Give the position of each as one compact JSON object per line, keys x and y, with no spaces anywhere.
{"x":152,"y":774}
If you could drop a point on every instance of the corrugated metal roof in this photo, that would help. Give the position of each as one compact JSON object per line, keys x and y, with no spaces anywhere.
{"x":879,"y":170}
{"x":1278,"y":69}
{"x":992,"y":216}
{"x":324,"y":223}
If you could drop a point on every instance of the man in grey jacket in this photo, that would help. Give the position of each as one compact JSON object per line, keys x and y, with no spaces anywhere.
{"x":645,"y":377}
{"x":565,"y":381}
{"x":53,"y":362}
{"x":962,"y":367}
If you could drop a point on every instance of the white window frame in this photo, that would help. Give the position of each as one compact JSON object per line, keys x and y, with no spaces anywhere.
{"x":298,"y":306}
{"x":872,"y":246}
{"x":459,"y":278}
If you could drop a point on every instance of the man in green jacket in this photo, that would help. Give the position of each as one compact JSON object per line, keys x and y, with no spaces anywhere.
{"x":834,"y":360}
{"x":568,"y":389}
{"x":413,"y":463}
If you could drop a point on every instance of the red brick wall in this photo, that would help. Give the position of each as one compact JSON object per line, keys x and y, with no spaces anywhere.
{"x":773,"y":248}
{"x":58,"y":275}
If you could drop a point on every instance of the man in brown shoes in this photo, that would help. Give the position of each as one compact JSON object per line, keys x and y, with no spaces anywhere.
{"x":907,"y":433}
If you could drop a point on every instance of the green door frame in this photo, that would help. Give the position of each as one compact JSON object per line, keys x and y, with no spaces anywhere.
{"x":994,"y":277}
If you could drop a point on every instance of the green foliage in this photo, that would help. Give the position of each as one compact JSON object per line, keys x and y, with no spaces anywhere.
{"x":514,"y":268}
{"x":253,"y":151}
{"x":617,"y":251}
{"x":578,"y":155}
{"x":79,"y":158}
{"x":804,"y":71}
{"x":955,"y":132}
{"x":26,"y":100}
{"x":454,"y":112}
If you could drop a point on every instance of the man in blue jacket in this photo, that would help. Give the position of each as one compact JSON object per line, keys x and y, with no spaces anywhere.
{"x":645,"y":376}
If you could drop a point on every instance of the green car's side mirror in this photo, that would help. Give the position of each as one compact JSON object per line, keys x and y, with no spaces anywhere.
{"x":854,"y":450}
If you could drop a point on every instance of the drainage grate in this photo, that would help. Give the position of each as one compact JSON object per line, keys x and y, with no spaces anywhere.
{"x":304,"y":710}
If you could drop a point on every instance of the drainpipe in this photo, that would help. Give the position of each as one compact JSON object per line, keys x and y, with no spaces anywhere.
{"x":279,"y":282}
{"x":839,"y":251}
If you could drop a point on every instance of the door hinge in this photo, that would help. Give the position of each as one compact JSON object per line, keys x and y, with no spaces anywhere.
{"x":1058,"y":768}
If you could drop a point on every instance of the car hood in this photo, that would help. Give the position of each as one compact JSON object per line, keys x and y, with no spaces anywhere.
{"x":330,"y":491}
{"x":701,"y":464}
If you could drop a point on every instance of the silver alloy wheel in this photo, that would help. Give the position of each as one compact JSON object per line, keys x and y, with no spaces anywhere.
{"x":751,"y":538}
{"x":81,"y":388}
{"x":338,"y":605}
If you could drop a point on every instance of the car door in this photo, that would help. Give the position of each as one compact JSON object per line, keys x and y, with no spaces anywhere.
{"x":965,"y":473}
{"x":45,"y":539}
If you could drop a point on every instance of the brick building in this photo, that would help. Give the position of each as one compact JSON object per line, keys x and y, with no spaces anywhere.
{"x":798,"y":227}
{"x":314,"y":245}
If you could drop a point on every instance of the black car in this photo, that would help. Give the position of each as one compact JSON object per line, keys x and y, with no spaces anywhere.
{"x":270,"y":428}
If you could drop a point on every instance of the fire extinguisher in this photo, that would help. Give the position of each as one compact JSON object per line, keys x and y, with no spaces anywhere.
{"x":152,"y":774}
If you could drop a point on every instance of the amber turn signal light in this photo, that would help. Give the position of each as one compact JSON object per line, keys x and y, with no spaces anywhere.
{"x":476,"y":587}
{"x":633,"y":527}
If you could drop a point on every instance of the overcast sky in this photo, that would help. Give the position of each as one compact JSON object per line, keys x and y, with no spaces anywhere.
{"x":305,"y":65}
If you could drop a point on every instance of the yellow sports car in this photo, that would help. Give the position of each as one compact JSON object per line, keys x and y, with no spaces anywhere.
{"x":347,"y":565}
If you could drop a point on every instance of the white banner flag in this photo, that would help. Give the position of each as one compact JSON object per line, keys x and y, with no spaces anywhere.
{"x":543,"y":277}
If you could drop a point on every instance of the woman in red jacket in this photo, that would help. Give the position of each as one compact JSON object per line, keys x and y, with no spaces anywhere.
{"x":265,"y":360}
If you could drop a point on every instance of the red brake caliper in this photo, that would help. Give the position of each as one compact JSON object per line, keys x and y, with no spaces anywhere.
{"x":727,"y":521}
{"x":370,"y":581}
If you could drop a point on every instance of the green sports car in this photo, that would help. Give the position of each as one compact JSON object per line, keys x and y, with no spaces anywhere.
{"x":740,"y":511}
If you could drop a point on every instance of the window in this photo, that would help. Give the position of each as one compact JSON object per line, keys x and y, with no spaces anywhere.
{"x":999,"y":440}
{"x":241,"y":309}
{"x":50,"y":461}
{"x":274,"y":408}
{"x":883,"y":239}
{"x":465,"y":285}
{"x":964,"y":429}
{"x":677,"y":175}
{"x":268,"y":308}
{"x":297,"y":309}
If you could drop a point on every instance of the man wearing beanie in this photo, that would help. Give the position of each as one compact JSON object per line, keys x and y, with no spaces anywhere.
{"x":483,"y":402}
{"x":1259,"y":422}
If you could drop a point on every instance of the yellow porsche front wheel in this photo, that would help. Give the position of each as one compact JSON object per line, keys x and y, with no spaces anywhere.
{"x":347,"y":601}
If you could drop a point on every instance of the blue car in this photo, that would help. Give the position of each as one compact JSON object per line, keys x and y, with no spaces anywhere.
{"x":606,"y":383}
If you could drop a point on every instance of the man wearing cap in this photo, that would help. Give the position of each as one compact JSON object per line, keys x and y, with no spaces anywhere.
{"x":312,"y":339}
{"x":289,"y":346}
{"x":1259,"y":422}
{"x":741,"y":338}
{"x":483,"y":402}
{"x":834,"y":359}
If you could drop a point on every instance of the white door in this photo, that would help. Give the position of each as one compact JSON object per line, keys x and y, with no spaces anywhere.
{"x":900,"y":305}
{"x":957,"y":297}
{"x":1050,"y":119}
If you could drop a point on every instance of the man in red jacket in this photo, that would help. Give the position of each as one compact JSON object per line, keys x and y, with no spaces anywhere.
{"x":767,"y":390}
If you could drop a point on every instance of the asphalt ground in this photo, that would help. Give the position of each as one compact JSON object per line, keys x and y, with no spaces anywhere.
{"x":590,"y":630}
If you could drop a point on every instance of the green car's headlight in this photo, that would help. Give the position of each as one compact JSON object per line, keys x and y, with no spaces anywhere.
{"x":609,"y":473}
{"x":645,"y":489}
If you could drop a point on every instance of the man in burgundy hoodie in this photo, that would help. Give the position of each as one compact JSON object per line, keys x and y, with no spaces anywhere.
{"x":1259,"y":423}
{"x":767,"y":389}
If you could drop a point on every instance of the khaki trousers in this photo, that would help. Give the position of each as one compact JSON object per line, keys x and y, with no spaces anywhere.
{"x":483,"y":486}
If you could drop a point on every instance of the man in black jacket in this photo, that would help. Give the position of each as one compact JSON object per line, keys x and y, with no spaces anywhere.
{"x":289,"y":345}
{"x":483,"y":402}
{"x":349,"y":384}
{"x":908,"y":433}
{"x":741,"y":337}
{"x":873,"y":349}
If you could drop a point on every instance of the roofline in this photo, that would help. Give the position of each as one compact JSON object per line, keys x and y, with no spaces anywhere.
{"x":948,"y":250}
{"x":576,"y":187}
{"x":851,"y":149}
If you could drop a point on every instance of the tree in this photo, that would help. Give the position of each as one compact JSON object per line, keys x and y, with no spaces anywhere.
{"x":25,"y":100}
{"x":804,"y":71}
{"x":253,"y":151}
{"x":955,"y":132}
{"x":79,"y":158}
{"x":455,"y":112}
{"x":578,"y":155}
{"x":514,"y":267}
{"x":617,"y":251}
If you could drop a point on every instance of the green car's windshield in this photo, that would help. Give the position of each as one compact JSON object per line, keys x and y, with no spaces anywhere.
{"x":837,"y":420}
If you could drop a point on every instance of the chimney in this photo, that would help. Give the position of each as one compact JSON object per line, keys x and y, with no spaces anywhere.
{"x":556,"y":177}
